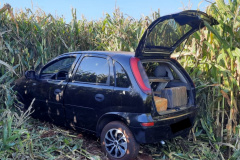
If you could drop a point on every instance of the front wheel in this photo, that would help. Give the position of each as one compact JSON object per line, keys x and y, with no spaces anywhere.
{"x":118,"y":142}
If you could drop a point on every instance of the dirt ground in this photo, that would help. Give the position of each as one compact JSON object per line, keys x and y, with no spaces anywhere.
{"x":92,"y":145}
{"x":90,"y":142}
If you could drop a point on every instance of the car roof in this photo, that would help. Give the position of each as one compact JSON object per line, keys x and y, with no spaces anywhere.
{"x":112,"y":54}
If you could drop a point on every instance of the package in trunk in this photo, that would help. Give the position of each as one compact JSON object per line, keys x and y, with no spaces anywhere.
{"x":176,"y":96}
{"x":161,"y":103}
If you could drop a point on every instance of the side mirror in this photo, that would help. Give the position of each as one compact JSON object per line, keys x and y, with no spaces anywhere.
{"x":30,"y":75}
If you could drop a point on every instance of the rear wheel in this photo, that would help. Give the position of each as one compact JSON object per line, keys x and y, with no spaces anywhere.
{"x":118,"y":142}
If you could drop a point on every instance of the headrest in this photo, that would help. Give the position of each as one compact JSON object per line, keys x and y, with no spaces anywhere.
{"x":163,"y":71}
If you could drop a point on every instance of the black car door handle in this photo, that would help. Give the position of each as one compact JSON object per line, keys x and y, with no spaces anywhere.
{"x":99,"y":97}
{"x":57,"y":91}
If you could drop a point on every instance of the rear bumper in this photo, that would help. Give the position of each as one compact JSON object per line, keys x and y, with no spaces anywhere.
{"x":165,"y":127}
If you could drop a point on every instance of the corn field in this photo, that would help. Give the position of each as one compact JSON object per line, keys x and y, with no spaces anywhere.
{"x":29,"y":40}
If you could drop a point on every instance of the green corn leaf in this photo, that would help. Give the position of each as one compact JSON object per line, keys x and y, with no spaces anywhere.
{"x":5,"y":133}
{"x":210,"y":46}
{"x":235,"y":155}
{"x":10,"y":68}
{"x":9,"y":124}
{"x":222,"y":56}
{"x":216,"y":34}
{"x":222,"y":6}
{"x":236,"y":52}
{"x":37,"y":62}
{"x":12,"y":61}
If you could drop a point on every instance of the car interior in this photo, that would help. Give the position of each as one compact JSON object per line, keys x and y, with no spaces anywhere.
{"x":168,"y":83}
{"x":57,"y":70}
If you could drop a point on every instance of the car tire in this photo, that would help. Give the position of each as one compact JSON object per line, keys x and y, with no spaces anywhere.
{"x":118,"y":142}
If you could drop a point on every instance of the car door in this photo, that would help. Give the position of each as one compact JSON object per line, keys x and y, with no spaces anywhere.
{"x":166,"y":33}
{"x":89,"y":91}
{"x":123,"y":100}
{"x":48,"y":88}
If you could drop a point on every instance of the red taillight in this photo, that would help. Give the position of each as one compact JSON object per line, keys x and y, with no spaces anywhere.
{"x":134,"y":65}
{"x":148,"y":124}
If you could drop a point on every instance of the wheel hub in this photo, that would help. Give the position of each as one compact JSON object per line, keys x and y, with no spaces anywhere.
{"x":115,"y":143}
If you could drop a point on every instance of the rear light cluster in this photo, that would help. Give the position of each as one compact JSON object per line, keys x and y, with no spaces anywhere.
{"x":140,"y":75}
{"x":148,"y":124}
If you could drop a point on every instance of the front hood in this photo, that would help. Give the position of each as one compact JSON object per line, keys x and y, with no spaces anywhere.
{"x":166,"y":33}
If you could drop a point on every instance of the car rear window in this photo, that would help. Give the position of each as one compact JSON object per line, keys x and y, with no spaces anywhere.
{"x":122,"y":79}
{"x":167,"y":33}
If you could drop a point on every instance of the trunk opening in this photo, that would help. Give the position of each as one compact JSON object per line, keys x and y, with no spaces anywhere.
{"x":172,"y":91}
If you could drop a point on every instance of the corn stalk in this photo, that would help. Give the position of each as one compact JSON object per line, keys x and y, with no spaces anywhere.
{"x":212,"y":58}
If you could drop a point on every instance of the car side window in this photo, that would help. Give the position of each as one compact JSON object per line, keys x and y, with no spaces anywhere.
{"x":122,"y":79}
{"x":93,"y":70}
{"x":175,"y":76}
{"x":60,"y":67}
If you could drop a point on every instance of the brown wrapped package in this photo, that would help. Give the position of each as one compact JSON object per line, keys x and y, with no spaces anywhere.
{"x":176,"y":96}
{"x":160,"y":103}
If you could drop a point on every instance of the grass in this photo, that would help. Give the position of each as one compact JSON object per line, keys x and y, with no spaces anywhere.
{"x":46,"y":141}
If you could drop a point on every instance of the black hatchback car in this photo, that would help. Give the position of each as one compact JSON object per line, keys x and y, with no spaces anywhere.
{"x":124,"y":98}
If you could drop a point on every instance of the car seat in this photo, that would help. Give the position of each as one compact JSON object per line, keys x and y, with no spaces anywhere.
{"x":162,"y":71}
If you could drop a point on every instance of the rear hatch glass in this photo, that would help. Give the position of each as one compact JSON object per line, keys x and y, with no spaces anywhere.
{"x":166,"y":33}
